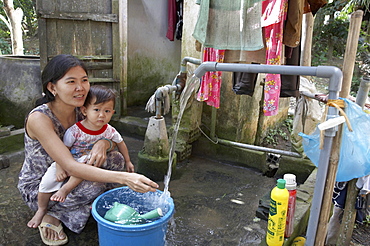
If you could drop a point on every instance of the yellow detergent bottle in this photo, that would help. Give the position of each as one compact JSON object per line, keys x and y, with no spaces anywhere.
{"x":277,"y":214}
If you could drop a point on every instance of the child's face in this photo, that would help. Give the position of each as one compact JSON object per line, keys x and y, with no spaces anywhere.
{"x":97,"y":115}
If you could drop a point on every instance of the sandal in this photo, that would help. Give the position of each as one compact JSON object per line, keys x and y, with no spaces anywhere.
{"x":58,"y":229}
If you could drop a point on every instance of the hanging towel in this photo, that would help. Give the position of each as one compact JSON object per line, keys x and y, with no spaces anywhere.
{"x":231,"y":25}
{"x":171,"y":20}
{"x":273,"y":16}
{"x":210,"y":86}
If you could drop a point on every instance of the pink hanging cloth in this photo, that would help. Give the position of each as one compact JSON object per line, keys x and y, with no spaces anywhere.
{"x":273,"y":16}
{"x":210,"y":86}
{"x":171,"y":28}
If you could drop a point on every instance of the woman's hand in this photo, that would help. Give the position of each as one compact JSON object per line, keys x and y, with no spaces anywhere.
{"x":139,"y":183}
{"x":98,"y":153}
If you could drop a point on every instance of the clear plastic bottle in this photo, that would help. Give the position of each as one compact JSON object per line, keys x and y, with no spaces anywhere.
{"x":291,"y":186}
{"x":277,"y":214}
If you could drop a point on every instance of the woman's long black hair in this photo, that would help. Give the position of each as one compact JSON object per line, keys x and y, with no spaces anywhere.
{"x":54,"y":70}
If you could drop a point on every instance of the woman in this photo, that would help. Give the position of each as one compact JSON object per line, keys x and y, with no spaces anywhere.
{"x":65,"y":85}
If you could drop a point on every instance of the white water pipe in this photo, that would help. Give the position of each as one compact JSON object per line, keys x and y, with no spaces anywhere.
{"x":187,"y":59}
{"x":167,"y":89}
{"x":363,"y":91}
{"x":335,"y":76}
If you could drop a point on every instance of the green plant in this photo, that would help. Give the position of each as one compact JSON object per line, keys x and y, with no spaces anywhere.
{"x":282,"y":132}
{"x":330,"y":38}
{"x":29,"y":24}
{"x":367,"y":220}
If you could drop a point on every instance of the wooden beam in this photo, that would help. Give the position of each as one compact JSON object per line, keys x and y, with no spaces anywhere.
{"x":98,"y":65}
{"x":80,"y":16}
{"x":90,"y":58}
{"x":102,"y":80}
{"x":120,"y":52}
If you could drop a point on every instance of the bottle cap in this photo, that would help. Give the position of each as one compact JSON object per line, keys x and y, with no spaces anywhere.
{"x":290,"y":181}
{"x":281,"y":183}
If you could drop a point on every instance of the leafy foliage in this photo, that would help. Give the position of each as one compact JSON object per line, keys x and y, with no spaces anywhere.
{"x":283,"y":132}
{"x":330,"y":37}
{"x":29,"y":23}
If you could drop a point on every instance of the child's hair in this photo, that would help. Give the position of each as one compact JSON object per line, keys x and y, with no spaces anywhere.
{"x":101,"y":94}
{"x":54,"y":70}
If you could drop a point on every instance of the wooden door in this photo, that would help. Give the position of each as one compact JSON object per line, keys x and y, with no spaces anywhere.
{"x":95,"y":31}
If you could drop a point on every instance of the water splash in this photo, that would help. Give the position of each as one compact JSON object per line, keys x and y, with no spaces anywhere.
{"x":191,"y":85}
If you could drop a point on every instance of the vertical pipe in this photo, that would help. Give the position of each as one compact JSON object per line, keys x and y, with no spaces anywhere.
{"x":363,"y":91}
{"x":335,"y":84}
{"x":213,"y":123}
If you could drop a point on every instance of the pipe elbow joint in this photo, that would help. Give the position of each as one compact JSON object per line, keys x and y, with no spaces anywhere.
{"x":205,"y":67}
{"x":335,"y":75}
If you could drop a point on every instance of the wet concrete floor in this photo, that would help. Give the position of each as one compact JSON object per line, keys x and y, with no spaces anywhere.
{"x":215,"y":204}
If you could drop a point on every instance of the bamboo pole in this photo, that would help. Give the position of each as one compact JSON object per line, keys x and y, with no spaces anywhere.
{"x":350,"y":53}
{"x":349,"y":215}
{"x":348,"y":66}
{"x":307,"y":32}
{"x":328,"y":192}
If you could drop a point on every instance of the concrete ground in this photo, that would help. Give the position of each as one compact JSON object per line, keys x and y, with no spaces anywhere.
{"x":215,"y":204}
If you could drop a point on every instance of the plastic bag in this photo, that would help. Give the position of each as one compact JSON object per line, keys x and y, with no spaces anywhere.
{"x":308,"y":113}
{"x":354,"y":158}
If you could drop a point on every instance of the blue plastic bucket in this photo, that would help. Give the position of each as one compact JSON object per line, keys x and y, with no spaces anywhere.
{"x":152,"y":233}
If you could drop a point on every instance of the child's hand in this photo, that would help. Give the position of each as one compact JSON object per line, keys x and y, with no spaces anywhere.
{"x":60,"y":173}
{"x":130,"y":167}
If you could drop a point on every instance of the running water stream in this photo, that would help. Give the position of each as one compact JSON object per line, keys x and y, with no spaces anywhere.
{"x":190,"y":86}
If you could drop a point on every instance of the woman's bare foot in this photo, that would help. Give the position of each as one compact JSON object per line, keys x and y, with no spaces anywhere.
{"x":37,"y":218}
{"x":59,"y":196}
{"x":49,"y":233}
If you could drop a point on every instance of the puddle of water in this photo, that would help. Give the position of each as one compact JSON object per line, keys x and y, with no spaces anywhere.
{"x":216,"y":203}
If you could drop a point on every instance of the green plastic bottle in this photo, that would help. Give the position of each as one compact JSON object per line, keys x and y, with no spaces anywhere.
{"x":277,"y":214}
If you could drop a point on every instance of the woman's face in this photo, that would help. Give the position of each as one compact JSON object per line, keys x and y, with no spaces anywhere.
{"x":72,"y":88}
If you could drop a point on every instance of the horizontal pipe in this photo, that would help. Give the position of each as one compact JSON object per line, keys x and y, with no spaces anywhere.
{"x":255,"y":68}
{"x":187,"y":59}
{"x":258,"y":148}
{"x":335,"y":83}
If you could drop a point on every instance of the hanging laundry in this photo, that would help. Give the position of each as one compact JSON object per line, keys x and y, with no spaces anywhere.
{"x":293,"y":23}
{"x":290,"y":83}
{"x":231,"y":25}
{"x":314,"y":5}
{"x":210,"y":86}
{"x":244,"y":83}
{"x":273,"y":16}
{"x":179,"y":23}
{"x":175,"y":13}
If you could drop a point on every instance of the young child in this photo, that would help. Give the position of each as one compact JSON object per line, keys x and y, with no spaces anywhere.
{"x":98,"y":110}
